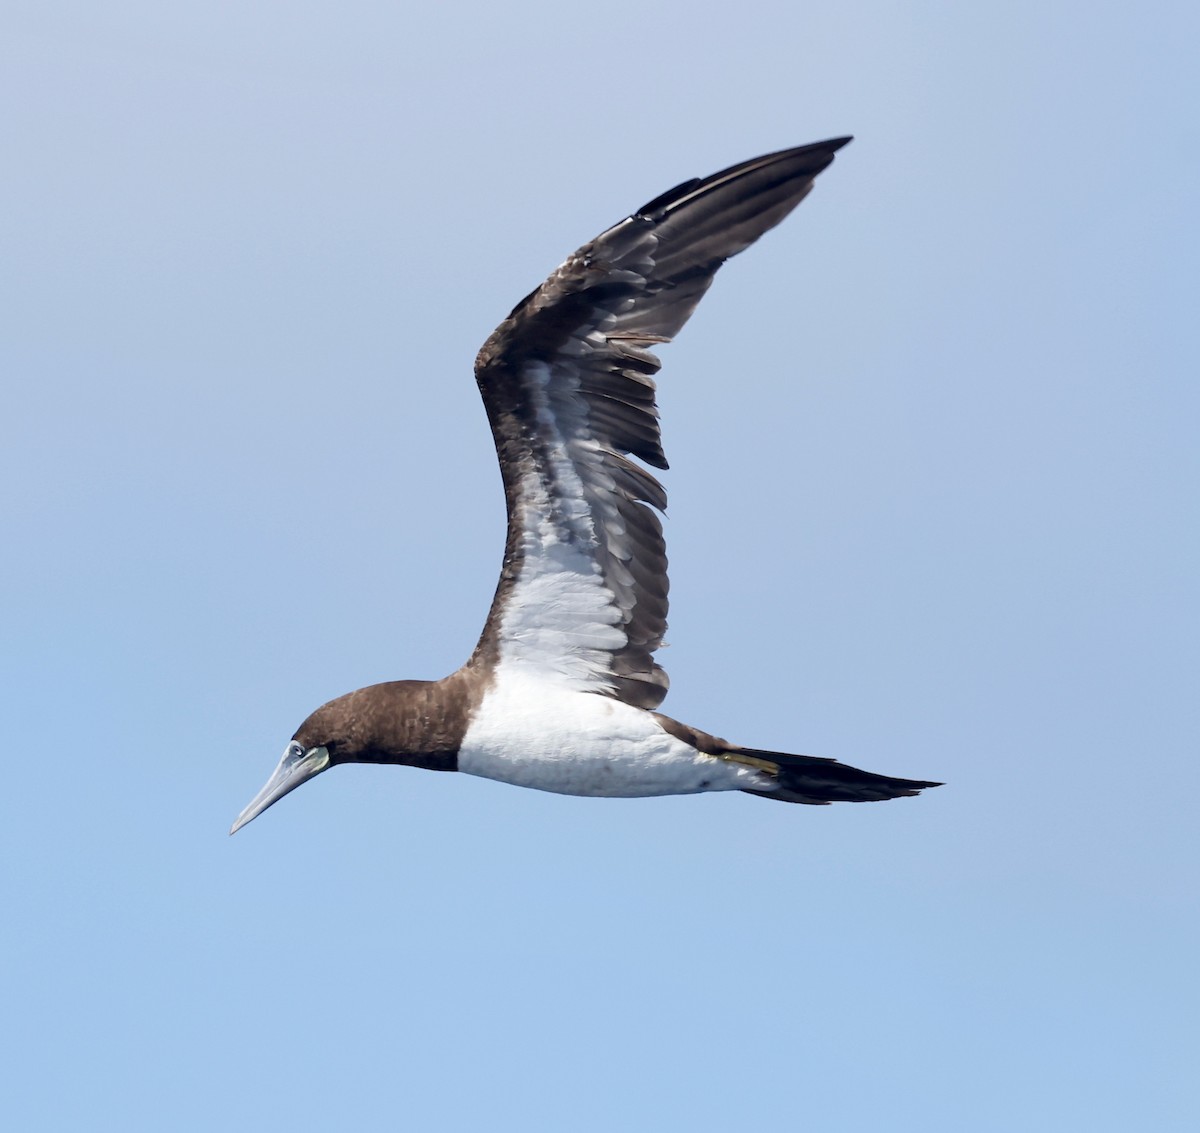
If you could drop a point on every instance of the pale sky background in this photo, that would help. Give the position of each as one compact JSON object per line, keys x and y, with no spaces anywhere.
{"x":933,"y":512}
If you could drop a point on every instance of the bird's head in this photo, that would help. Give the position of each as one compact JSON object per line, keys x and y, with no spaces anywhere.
{"x":400,"y":722}
{"x":321,"y":741}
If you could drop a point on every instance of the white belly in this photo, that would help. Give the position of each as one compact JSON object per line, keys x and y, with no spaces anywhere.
{"x":535,"y":734}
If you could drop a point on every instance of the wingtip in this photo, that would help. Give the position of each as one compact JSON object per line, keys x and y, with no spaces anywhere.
{"x":829,"y":145}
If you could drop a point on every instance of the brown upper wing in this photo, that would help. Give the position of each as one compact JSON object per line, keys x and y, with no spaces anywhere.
{"x":568,"y":383}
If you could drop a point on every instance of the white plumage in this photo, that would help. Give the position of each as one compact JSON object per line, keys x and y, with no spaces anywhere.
{"x":543,"y":734}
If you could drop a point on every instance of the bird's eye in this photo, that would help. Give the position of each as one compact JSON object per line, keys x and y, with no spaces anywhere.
{"x":295,"y":750}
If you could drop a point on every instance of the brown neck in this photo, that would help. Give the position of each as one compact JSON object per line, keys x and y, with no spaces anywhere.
{"x":414,"y":723}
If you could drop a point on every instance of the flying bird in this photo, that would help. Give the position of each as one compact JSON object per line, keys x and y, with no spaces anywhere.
{"x":562,"y":691}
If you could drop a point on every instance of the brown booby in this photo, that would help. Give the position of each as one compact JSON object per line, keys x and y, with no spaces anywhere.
{"x":561,"y":691}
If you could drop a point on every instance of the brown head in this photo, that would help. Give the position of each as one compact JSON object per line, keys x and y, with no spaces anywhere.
{"x":417,"y":723}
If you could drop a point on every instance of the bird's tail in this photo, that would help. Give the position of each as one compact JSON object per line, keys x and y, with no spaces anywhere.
{"x":799,"y":778}
{"x":807,"y":779}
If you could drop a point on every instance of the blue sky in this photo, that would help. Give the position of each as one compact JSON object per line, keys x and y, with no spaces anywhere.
{"x":933,"y":512}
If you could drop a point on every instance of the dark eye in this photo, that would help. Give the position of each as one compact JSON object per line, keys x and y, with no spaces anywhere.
{"x":295,"y":750}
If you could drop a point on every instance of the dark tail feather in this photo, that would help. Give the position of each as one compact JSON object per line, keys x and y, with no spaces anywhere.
{"x":807,"y":779}
{"x":801,"y":778}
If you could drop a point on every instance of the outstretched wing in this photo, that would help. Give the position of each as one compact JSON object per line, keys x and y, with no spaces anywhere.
{"x":568,"y":383}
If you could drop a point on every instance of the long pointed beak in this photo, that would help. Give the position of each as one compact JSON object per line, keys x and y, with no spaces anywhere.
{"x":294,"y":768}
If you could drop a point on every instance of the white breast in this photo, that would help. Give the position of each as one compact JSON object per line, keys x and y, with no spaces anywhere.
{"x":539,"y":734}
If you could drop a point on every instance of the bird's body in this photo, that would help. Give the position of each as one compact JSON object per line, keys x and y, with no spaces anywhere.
{"x":561,"y":691}
{"x":532,"y":734}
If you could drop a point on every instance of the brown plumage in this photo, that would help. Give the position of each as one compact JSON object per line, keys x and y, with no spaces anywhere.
{"x":632,"y":287}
